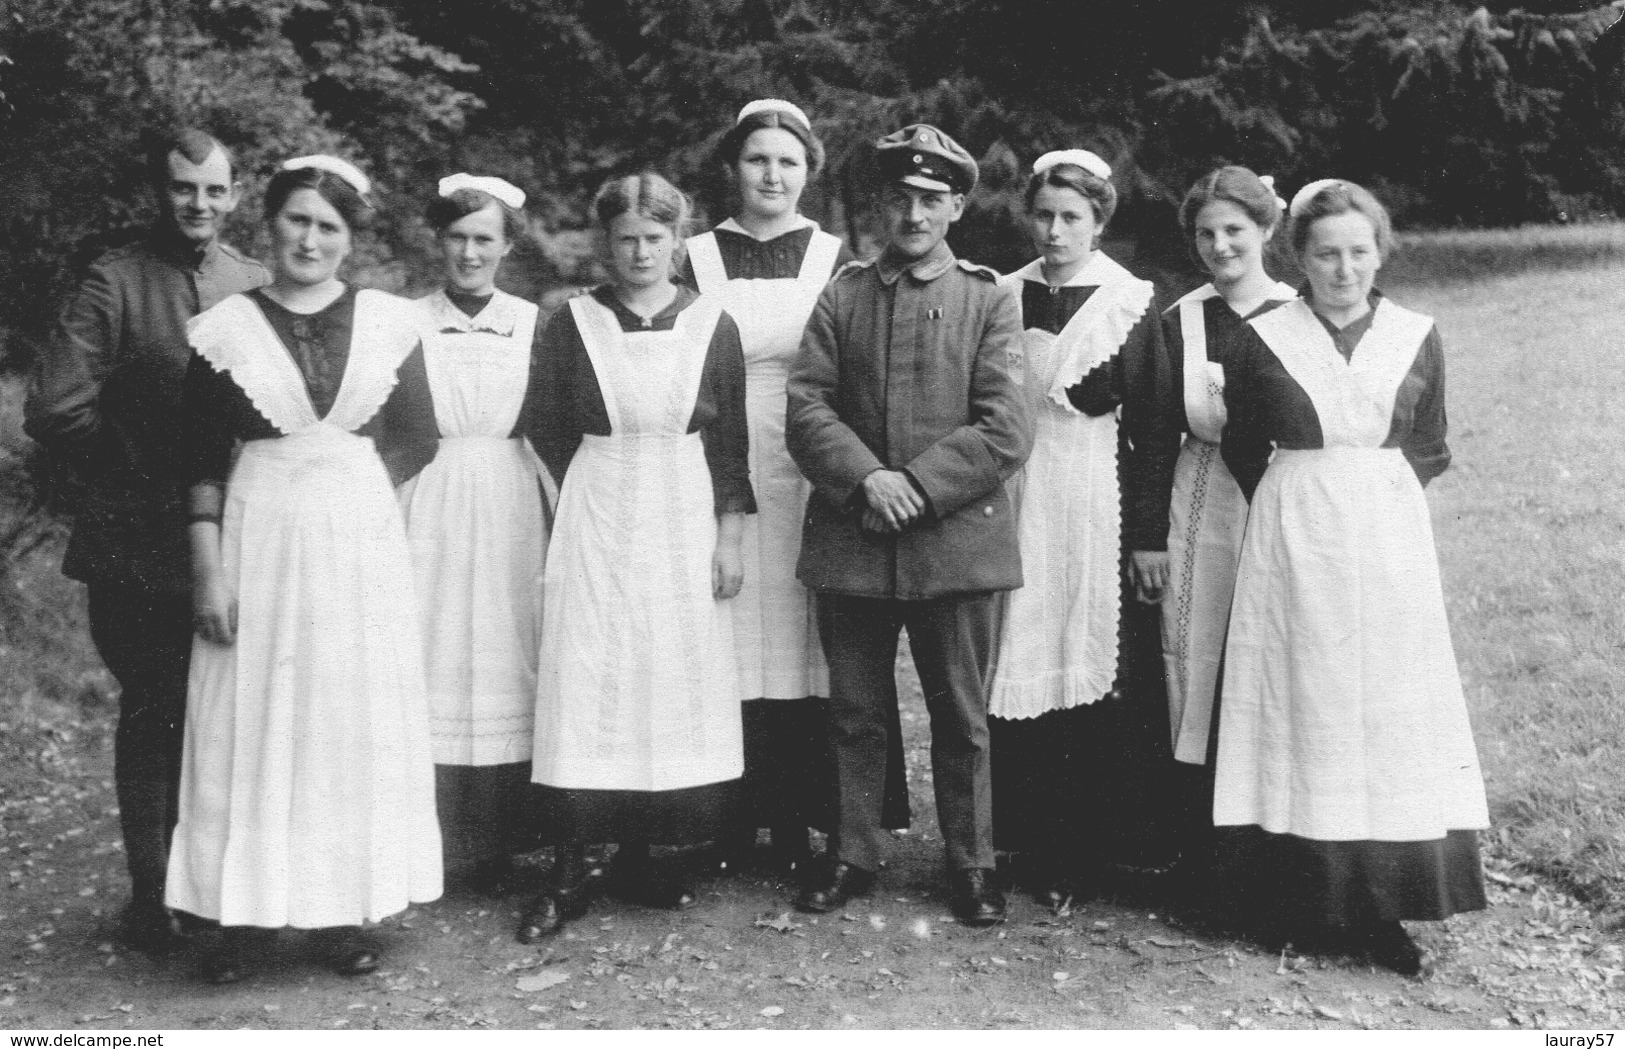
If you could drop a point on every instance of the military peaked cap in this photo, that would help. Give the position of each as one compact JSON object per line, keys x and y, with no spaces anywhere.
{"x":923,"y":156}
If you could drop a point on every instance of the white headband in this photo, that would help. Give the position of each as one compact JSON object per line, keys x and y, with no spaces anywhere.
{"x":490,"y":185}
{"x":333,"y":166}
{"x":1301,"y":200}
{"x":1078,"y":157}
{"x":1269,"y":184}
{"x":775,"y":105}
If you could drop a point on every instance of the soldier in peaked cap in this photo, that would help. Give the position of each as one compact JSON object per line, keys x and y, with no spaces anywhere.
{"x":904,"y":414}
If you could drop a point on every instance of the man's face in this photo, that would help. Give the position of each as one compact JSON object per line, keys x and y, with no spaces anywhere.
{"x":917,"y":219}
{"x":196,"y":198}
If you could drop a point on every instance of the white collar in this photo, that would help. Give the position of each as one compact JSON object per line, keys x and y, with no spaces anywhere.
{"x":1280,"y":290}
{"x":1099,"y":270}
{"x":1202,"y":294}
{"x":500,"y":316}
{"x":802,"y":222}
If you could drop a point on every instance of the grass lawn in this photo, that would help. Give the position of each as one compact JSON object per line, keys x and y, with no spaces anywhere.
{"x":1468,"y":255}
{"x":1530,"y":523}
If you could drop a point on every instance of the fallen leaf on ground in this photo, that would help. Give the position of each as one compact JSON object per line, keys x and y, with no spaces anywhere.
{"x":782,"y":923}
{"x":542,"y":980}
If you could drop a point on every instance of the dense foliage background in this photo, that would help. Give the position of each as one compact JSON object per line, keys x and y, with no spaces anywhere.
{"x":1456,"y":115}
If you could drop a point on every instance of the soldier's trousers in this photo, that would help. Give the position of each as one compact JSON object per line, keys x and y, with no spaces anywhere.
{"x":145,"y":639}
{"x":952,"y":642}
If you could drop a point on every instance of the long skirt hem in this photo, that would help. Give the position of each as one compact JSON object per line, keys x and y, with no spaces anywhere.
{"x":685,"y":816}
{"x":1345,"y":883}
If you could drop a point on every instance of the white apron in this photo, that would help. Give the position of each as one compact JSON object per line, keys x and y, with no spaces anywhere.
{"x":307,"y":788}
{"x":1206,"y":517}
{"x":637,"y":668}
{"x":1343,"y":716}
{"x":478,"y":527}
{"x":1058,"y":644}
{"x":775,"y":628}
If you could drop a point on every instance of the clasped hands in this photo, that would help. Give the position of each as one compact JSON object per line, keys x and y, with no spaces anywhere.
{"x":894,"y":502}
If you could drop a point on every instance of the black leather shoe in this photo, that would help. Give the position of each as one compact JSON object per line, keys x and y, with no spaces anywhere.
{"x":357,"y":961}
{"x":975,"y":898}
{"x":222,"y":966}
{"x":549,"y":911}
{"x":543,"y":918}
{"x":148,"y":928}
{"x":233,"y":958}
{"x":832,"y":891}
{"x":347,"y":951}
{"x":1390,"y":946}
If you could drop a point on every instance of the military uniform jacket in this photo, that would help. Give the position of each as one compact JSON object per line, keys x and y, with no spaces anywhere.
{"x":106,"y":402}
{"x":907,"y":367}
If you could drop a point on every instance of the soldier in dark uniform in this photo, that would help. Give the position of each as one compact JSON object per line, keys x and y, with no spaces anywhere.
{"x":105,"y":403}
{"x":904,"y":414}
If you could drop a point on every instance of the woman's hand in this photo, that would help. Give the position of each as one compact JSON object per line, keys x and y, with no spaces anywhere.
{"x":728,"y":562}
{"x":1149,"y":570}
{"x":214,"y":610}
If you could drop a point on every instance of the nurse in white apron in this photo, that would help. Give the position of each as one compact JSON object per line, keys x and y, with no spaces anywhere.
{"x":766,"y":267}
{"x":1075,"y":701}
{"x":641,"y":418}
{"x":1230,"y":216}
{"x":1345,"y":756}
{"x":307,"y":788}
{"x":477,"y":521}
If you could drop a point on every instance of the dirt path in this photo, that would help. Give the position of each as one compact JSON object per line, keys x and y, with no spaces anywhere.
{"x":742,"y":959}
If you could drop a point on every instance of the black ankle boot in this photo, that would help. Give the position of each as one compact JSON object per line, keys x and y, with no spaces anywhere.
{"x":346,"y":950}
{"x":1388,"y":944}
{"x":147,"y":926}
{"x":235,"y":954}
{"x":566,"y":897}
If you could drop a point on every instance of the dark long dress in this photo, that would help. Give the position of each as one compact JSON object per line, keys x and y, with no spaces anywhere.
{"x":1087,"y":786}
